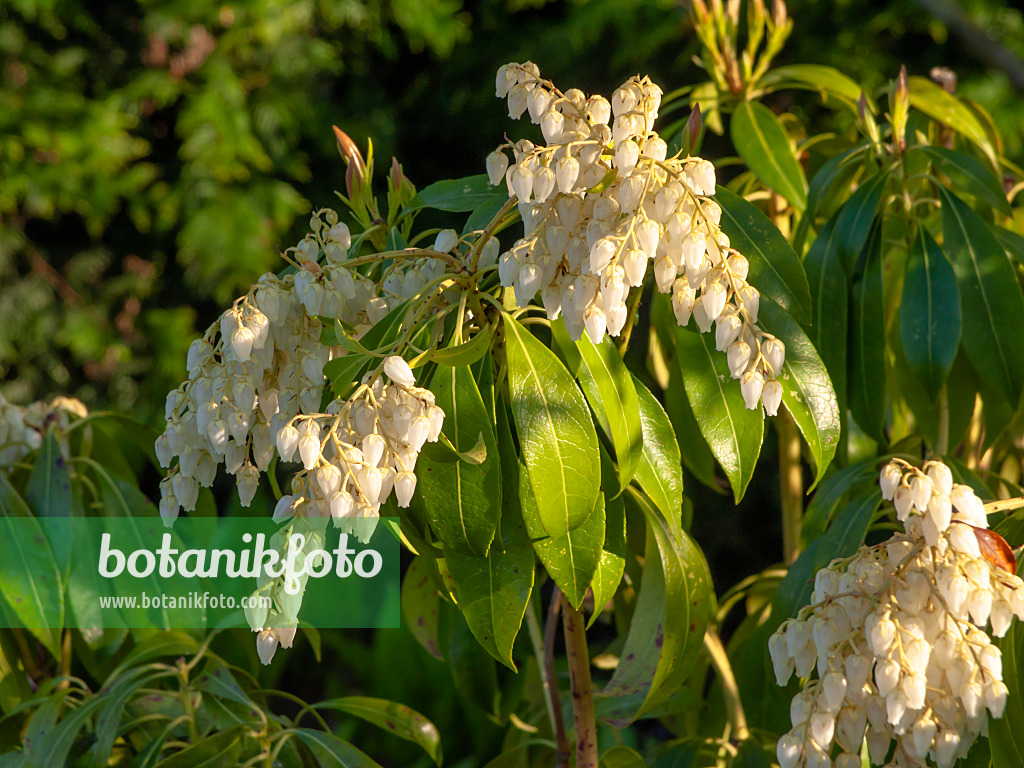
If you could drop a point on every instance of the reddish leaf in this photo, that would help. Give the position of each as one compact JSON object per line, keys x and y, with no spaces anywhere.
{"x":995,"y":549}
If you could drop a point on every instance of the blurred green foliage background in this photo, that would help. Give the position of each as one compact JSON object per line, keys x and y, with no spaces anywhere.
{"x":155,"y":155}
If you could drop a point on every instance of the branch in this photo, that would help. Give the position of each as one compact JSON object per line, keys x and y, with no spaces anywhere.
{"x":582,"y":694}
{"x":550,"y":627}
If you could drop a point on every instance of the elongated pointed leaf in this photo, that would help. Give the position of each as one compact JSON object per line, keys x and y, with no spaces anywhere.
{"x":826,"y":80}
{"x":462,"y":499}
{"x":837,"y":171}
{"x":473,"y":670}
{"x":556,"y":432}
{"x":494,"y":591}
{"x":856,"y":218}
{"x":459,"y":195}
{"x":943,"y":106}
{"x":993,"y":308}
{"x":830,"y":307}
{"x":775,"y":269}
{"x":867,"y":340}
{"x":967,"y":174}
{"x":48,"y":494}
{"x":660,"y":473}
{"x":397,"y":719}
{"x":420,"y":605}
{"x":762,"y":142}
{"x":571,"y":560}
{"x":609,"y":388}
{"x":332,"y":752}
{"x":29,"y":575}
{"x":733,"y":432}
{"x":929,"y":313}
{"x":612,"y":564}
{"x":806,"y":389}
{"x":668,"y":624}
{"x":822,"y":509}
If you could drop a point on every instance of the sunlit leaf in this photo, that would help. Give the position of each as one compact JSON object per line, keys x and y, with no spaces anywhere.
{"x":762,"y":142}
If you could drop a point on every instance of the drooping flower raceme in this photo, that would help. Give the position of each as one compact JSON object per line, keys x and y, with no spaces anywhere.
{"x":256,"y":379}
{"x":897,"y":635}
{"x":601,"y":202}
{"x":23,"y":428}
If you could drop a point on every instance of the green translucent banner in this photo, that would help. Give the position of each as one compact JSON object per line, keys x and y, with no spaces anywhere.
{"x":132,"y":572}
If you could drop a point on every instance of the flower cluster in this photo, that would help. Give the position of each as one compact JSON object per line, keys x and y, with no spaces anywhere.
{"x":897,"y":635}
{"x":22,"y":428}
{"x":362,"y":449}
{"x":261,"y":366}
{"x":600,"y":201}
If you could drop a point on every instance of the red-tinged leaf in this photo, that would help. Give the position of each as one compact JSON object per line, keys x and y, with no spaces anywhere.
{"x":995,"y":549}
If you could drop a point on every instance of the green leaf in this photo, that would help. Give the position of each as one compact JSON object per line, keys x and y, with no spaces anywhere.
{"x":421,"y":604}
{"x":828,"y":81}
{"x":115,"y":694}
{"x":660,"y":473}
{"x":1012,"y":242}
{"x":830,"y":306}
{"x":842,"y":539}
{"x":763,"y":144}
{"x":775,"y":269}
{"x":968,"y":174}
{"x":472,"y":668}
{"x":622,"y":757}
{"x":609,"y":388}
{"x":458,"y":195}
{"x":822,"y":508}
{"x":929,"y":313}
{"x":29,"y":576}
{"x":556,"y":432}
{"x":462,"y":499}
{"x":733,"y":432}
{"x":458,"y":355}
{"x":48,"y":494}
{"x":54,"y":749}
{"x":751,"y":755}
{"x":867,"y":340}
{"x":854,"y":221}
{"x":398,"y":719}
{"x":494,"y":591}
{"x":990,"y":297}
{"x":806,"y":389}
{"x":943,"y":106}
{"x":837,"y":171}
{"x":668,"y":624}
{"x":612,"y":564}
{"x":342,"y":371}
{"x":572,"y":559}
{"x":329,"y":750}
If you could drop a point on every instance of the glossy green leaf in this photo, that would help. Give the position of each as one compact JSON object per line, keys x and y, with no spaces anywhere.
{"x":967,"y":174}
{"x":929,"y":313}
{"x":342,"y":371}
{"x":458,"y":355}
{"x":828,"y":81}
{"x":733,"y":432}
{"x":660,"y":472}
{"x":937,"y":103}
{"x":1012,"y":242}
{"x":807,"y":390}
{"x":609,"y":389}
{"x":763,"y":144}
{"x":55,"y":748}
{"x":621,"y":757}
{"x":494,"y":591}
{"x":672,"y":611}
{"x":830,"y":305}
{"x":856,"y":218}
{"x":421,"y":605}
{"x":836,"y":172}
{"x":612,"y":564}
{"x":473,"y":670}
{"x":397,"y":719}
{"x":485,"y":212}
{"x":459,"y":195}
{"x":990,"y":297}
{"x":819,"y":513}
{"x":842,"y":539}
{"x":115,"y":696}
{"x":329,"y":751}
{"x":462,"y":499}
{"x":867,"y":340}
{"x":556,"y":432}
{"x":29,"y":575}
{"x":571,"y":560}
{"x":775,"y":269}
{"x":48,"y":494}
{"x":696,"y":454}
